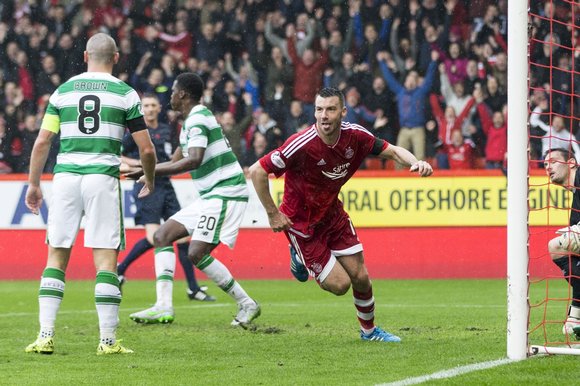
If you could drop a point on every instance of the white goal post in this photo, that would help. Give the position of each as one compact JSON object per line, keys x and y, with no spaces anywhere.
{"x":535,"y":350}
{"x":518,"y":310}
{"x":517,"y":182}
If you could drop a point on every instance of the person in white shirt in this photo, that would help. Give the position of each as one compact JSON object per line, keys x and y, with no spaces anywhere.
{"x":557,"y":136}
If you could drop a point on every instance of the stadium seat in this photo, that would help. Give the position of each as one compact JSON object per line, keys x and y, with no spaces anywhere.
{"x":374,"y":163}
{"x":479,"y":163}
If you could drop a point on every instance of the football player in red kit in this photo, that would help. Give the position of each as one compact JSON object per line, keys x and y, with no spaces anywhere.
{"x":317,"y":162}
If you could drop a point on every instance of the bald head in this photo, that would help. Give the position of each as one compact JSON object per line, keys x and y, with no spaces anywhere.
{"x":101,"y":48}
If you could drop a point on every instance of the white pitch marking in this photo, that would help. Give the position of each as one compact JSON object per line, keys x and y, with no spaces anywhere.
{"x":61,"y":312}
{"x":444,"y":374}
{"x":325,"y":304}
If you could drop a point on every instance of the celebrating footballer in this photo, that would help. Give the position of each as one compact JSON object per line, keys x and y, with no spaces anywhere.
{"x":316,"y":163}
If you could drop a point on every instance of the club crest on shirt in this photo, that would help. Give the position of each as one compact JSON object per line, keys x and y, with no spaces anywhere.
{"x":277,"y":160}
{"x":349,"y":153}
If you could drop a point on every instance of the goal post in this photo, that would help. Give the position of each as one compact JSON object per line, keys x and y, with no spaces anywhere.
{"x":517,"y":182}
{"x":543,"y":62}
{"x":535,"y":350}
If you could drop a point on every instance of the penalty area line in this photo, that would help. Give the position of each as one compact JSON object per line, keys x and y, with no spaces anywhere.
{"x":444,"y":374}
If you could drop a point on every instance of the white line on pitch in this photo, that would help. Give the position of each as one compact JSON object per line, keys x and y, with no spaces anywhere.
{"x":60,"y":312}
{"x":325,"y":304}
{"x":389,"y":305}
{"x":450,"y":373}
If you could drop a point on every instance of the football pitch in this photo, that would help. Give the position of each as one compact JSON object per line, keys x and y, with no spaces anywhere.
{"x":305,"y":336}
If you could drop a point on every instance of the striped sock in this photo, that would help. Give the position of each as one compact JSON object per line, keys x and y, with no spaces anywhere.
{"x":164,"y":271}
{"x":107,"y":301}
{"x":49,"y":298}
{"x":220,"y":275}
{"x":365,"y":309}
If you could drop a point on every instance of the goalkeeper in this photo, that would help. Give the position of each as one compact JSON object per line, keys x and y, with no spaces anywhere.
{"x":562,"y":169}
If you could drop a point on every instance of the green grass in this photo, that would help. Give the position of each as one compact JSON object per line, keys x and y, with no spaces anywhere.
{"x":305,"y":336}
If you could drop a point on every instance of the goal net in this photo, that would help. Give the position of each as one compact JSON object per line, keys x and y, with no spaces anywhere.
{"x":553,"y":116}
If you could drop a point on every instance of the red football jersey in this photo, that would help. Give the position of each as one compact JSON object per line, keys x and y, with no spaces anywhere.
{"x":460,"y":157}
{"x":315,"y":172}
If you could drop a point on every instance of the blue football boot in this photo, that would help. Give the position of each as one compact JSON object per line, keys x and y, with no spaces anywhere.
{"x":298,"y":269}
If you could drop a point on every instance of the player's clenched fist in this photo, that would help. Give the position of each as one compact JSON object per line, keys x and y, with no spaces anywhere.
{"x":423,"y":168}
{"x":279,"y":221}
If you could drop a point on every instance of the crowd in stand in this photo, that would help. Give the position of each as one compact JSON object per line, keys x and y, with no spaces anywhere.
{"x":428,"y":75}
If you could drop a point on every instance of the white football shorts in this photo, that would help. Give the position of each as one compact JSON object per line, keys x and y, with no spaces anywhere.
{"x":213,"y":220}
{"x":98,"y":198}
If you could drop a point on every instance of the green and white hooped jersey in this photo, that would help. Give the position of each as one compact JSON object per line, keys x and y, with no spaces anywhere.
{"x":91,"y":111}
{"x":220,"y":174}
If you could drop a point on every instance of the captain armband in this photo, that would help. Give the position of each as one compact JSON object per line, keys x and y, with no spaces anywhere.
{"x":51,"y":123}
{"x":137,"y":124}
{"x":378,"y":146}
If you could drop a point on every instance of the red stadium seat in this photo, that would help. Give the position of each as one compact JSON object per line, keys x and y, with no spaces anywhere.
{"x":374,"y":164}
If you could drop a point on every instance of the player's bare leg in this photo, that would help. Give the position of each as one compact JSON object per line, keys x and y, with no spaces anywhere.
{"x":357,"y":271}
{"x":58,"y":258}
{"x":337,"y":282}
{"x":169,"y":232}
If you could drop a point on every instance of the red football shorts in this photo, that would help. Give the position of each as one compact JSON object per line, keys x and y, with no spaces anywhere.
{"x":333,"y":238}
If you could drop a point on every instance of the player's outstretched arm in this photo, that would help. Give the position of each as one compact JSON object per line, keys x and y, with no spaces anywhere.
{"x":278,"y":220}
{"x":405,"y":157}
{"x":180,"y":164}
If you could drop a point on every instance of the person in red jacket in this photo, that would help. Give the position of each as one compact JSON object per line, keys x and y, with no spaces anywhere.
{"x":495,"y":129}
{"x":308,"y":70}
{"x":447,"y":123}
{"x":178,"y":45}
{"x":460,"y":152}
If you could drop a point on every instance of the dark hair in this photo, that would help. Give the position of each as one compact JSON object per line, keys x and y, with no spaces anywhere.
{"x":328,"y":92}
{"x":567,"y":154}
{"x":150,"y":95}
{"x":191,"y":83}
